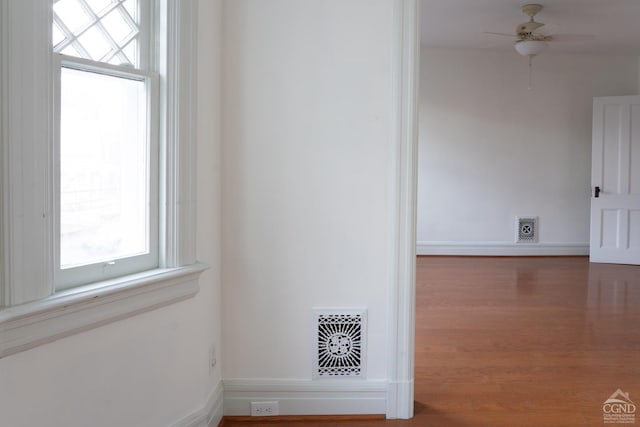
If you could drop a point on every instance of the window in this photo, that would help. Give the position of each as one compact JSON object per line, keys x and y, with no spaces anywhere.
{"x":97,"y":156}
{"x":107,"y":142}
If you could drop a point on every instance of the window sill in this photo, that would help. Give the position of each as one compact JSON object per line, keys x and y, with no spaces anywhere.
{"x":76,"y":310}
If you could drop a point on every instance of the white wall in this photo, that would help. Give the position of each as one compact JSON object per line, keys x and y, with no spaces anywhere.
{"x":150,"y":370}
{"x":490,"y":149}
{"x":307,"y":180}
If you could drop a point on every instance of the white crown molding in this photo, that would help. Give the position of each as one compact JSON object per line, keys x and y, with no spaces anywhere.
{"x":406,"y":51}
{"x":209,"y":415}
{"x":306,"y":397}
{"x":501,"y":248}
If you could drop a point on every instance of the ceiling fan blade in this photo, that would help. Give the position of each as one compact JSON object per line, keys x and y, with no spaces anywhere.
{"x":547,"y":30}
{"x":501,"y":34}
{"x":571,"y":37}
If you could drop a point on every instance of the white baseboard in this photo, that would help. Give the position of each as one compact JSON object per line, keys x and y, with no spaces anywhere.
{"x":208,"y":416}
{"x":501,"y":248}
{"x":215,"y":405}
{"x":306,"y":397}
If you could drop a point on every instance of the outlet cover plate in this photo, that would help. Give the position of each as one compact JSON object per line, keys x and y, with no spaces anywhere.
{"x":264,"y":409}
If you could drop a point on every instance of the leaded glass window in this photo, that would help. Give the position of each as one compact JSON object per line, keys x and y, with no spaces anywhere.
{"x":100,"y":30}
{"x":107,"y":140}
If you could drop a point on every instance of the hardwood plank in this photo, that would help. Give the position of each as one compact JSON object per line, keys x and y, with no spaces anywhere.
{"x":288,"y":419}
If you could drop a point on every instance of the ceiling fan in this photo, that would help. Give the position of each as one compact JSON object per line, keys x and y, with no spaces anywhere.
{"x":531,"y":39}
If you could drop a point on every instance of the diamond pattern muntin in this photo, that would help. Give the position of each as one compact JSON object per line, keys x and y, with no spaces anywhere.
{"x":100,"y":30}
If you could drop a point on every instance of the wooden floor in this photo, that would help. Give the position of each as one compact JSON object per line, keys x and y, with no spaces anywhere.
{"x":519,"y":342}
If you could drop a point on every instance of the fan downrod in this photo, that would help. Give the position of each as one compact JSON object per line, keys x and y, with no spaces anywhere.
{"x":531,"y":9}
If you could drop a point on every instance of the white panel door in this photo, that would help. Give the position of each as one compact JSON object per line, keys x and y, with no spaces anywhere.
{"x":615,"y":180}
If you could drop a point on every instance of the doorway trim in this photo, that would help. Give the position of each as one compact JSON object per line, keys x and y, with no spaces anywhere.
{"x":406,"y":56}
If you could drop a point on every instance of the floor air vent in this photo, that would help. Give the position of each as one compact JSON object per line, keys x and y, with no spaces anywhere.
{"x":527,"y":229}
{"x":340,"y":338}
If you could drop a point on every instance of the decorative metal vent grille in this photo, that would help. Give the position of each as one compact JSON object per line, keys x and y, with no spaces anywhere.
{"x":527,"y":229}
{"x":340,"y":343}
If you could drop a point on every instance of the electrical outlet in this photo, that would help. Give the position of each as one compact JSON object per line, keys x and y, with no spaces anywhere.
{"x":264,"y":409}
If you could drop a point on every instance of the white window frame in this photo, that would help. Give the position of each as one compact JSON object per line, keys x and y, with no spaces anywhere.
{"x":147,"y":72}
{"x":32,"y":312}
{"x":67,"y":278}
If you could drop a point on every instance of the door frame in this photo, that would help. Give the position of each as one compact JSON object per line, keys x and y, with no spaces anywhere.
{"x":402,"y":301}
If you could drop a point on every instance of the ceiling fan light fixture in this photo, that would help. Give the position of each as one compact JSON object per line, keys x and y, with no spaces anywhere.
{"x":530,"y":47}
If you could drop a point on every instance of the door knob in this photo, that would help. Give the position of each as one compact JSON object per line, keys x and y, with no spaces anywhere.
{"x":597,"y":192}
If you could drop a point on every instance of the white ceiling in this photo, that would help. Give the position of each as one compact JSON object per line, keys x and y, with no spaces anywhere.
{"x":615,"y":24}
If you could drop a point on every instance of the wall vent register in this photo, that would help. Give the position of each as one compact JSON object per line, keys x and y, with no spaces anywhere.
{"x":340,"y":338}
{"x":527,"y":229}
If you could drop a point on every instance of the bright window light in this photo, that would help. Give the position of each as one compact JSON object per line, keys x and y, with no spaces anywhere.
{"x":104,"y":168}
{"x":99,"y":30}
{"x":72,"y":13}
